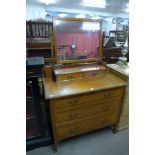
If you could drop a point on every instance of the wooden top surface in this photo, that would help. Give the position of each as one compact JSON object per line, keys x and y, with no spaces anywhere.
{"x":55,"y":90}
{"x":78,"y":69}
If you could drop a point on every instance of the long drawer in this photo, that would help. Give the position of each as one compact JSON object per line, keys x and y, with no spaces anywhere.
{"x":85,"y":125}
{"x":75,"y":101}
{"x":77,"y":113}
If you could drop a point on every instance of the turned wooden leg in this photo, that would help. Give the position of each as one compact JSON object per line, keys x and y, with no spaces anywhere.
{"x":55,"y":146}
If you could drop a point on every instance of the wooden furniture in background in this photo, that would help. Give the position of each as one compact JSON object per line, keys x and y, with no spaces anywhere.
{"x":120,"y":35}
{"x":123,"y":73}
{"x":38,"y":29}
{"x":37,"y":125}
{"x":113,"y":45}
{"x":111,"y":54}
{"x":40,"y":49}
{"x":39,"y":40}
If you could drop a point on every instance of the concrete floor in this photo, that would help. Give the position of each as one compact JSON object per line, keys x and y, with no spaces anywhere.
{"x":101,"y":142}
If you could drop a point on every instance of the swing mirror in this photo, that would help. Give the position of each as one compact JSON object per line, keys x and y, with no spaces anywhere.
{"x":77,"y":40}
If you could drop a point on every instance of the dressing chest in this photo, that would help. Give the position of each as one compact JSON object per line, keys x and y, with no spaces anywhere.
{"x":83,"y":96}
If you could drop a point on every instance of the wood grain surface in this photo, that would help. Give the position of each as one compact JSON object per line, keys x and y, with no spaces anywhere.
{"x":55,"y":90}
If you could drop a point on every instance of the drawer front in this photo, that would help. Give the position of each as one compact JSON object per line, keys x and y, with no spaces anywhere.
{"x":69,"y":76}
{"x":85,"y":126}
{"x":99,"y":107}
{"x":94,"y":74}
{"x":76,"y":101}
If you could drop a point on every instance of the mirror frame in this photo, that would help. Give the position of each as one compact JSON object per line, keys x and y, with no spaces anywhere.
{"x":78,"y":60}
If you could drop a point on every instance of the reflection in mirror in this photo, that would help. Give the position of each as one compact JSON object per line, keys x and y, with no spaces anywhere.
{"x":77,"y":39}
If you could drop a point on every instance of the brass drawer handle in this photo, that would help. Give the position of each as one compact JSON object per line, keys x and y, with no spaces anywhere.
{"x":104,"y":121}
{"x":107,"y":95}
{"x":73,"y":130}
{"x":73,"y":116}
{"x":94,"y":74}
{"x":70,"y":76}
{"x":73,"y":103}
{"x":106,"y":109}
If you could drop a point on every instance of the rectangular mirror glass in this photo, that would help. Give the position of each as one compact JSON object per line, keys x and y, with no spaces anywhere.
{"x":77,"y":40}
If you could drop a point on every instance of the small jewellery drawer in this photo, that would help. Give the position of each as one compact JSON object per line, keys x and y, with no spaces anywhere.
{"x":64,"y":77}
{"x":76,"y":128}
{"x":74,"y":114}
{"x":79,"y":73}
{"x":94,"y":74}
{"x":75,"y":101}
